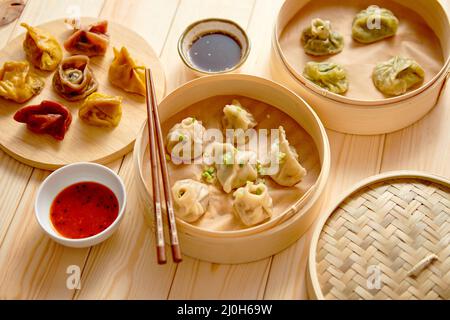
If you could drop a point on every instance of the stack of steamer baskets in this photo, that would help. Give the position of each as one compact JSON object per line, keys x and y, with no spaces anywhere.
{"x":424,"y":35}
{"x":294,"y":211}
{"x":389,"y":236}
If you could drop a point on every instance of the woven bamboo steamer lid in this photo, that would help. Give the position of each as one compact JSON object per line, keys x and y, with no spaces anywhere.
{"x":357,"y":116}
{"x":387,"y":238}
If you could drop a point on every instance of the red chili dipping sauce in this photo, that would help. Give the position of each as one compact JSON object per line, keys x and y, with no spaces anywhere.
{"x":83,"y":210}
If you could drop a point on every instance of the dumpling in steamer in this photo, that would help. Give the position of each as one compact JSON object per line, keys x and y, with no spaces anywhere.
{"x":252,"y":204}
{"x":191,"y":199}
{"x":234,"y":168}
{"x":185,"y":140}
{"x":289,"y":171}
{"x":92,"y":40}
{"x":74,"y":80}
{"x":18,"y":83}
{"x":374,"y":24}
{"x":328,"y":75}
{"x":42,"y":49}
{"x":101,"y":110}
{"x":126,"y":73}
{"x":320,"y":40}
{"x":395,"y":76}
{"x":238,"y":119}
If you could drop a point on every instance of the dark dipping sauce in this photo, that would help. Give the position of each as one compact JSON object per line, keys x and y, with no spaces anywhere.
{"x":84,"y":210}
{"x":214,"y":52}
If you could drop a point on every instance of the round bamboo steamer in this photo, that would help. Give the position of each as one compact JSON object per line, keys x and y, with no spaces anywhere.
{"x":82,"y":143}
{"x":366,"y":117}
{"x":387,"y":238}
{"x":258,"y":242}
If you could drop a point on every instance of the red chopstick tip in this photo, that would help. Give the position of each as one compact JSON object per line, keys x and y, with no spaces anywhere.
{"x":161,"y":255}
{"x":176,"y":254}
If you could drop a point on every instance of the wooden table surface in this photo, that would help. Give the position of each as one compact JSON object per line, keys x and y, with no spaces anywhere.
{"x":34,"y":267}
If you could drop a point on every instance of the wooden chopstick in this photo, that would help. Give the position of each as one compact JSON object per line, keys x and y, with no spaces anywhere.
{"x":159,"y":230}
{"x":153,"y":108}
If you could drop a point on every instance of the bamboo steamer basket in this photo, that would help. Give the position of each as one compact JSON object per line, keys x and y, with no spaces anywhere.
{"x":387,"y":238}
{"x":259,"y":242}
{"x":366,"y":117}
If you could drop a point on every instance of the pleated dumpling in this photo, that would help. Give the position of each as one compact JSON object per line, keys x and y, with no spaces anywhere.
{"x":328,"y":75}
{"x":238,"y":119}
{"x":289,"y":171}
{"x":74,"y":80}
{"x":185,"y":140}
{"x":18,"y":83}
{"x":92,"y":40}
{"x":320,"y":40}
{"x":395,"y":76}
{"x":126,"y":73}
{"x":42,"y":49}
{"x":374,"y":24}
{"x":252,"y":204}
{"x":191,"y":199}
{"x":101,"y":110}
{"x":233,"y":167}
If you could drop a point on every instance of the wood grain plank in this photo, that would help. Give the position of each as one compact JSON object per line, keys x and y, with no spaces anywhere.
{"x":124,"y":266}
{"x":31,"y":265}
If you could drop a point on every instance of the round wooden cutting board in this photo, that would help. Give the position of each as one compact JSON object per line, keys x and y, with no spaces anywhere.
{"x":82,"y":142}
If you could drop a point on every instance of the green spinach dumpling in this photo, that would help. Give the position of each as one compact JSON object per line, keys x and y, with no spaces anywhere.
{"x":319,"y":40}
{"x":328,"y":75}
{"x":374,"y":24}
{"x":395,"y":76}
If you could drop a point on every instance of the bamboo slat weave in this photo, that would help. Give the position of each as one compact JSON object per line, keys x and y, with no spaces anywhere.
{"x":372,"y":241}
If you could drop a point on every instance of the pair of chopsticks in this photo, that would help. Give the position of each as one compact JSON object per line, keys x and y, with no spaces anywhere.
{"x":157,"y":151}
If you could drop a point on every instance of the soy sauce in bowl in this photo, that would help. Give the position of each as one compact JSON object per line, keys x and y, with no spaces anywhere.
{"x":215,"y":52}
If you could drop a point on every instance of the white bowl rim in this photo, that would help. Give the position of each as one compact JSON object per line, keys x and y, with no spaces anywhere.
{"x":55,"y":235}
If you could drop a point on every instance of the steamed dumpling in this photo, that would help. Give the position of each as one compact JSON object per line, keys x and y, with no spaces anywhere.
{"x":234,"y":168}
{"x":126,"y":73}
{"x":252,"y":204}
{"x":374,"y":24}
{"x":42,"y":49}
{"x":320,"y":40}
{"x":290,"y":171}
{"x":190,"y":199}
{"x":328,"y":75}
{"x":185,"y":140}
{"x":395,"y":76}
{"x":238,"y":119}
{"x":101,"y":110}
{"x":18,"y":83}
{"x":74,"y":79}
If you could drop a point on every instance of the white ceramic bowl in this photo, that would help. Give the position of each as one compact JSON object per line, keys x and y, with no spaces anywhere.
{"x":67,"y":176}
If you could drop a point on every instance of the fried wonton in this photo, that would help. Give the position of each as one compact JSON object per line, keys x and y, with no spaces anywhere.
{"x":126,"y":73}
{"x":42,"y":49}
{"x":49,"y":117}
{"x":101,"y":110}
{"x":18,"y":83}
{"x":74,"y":79}
{"x":92,"y":40}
